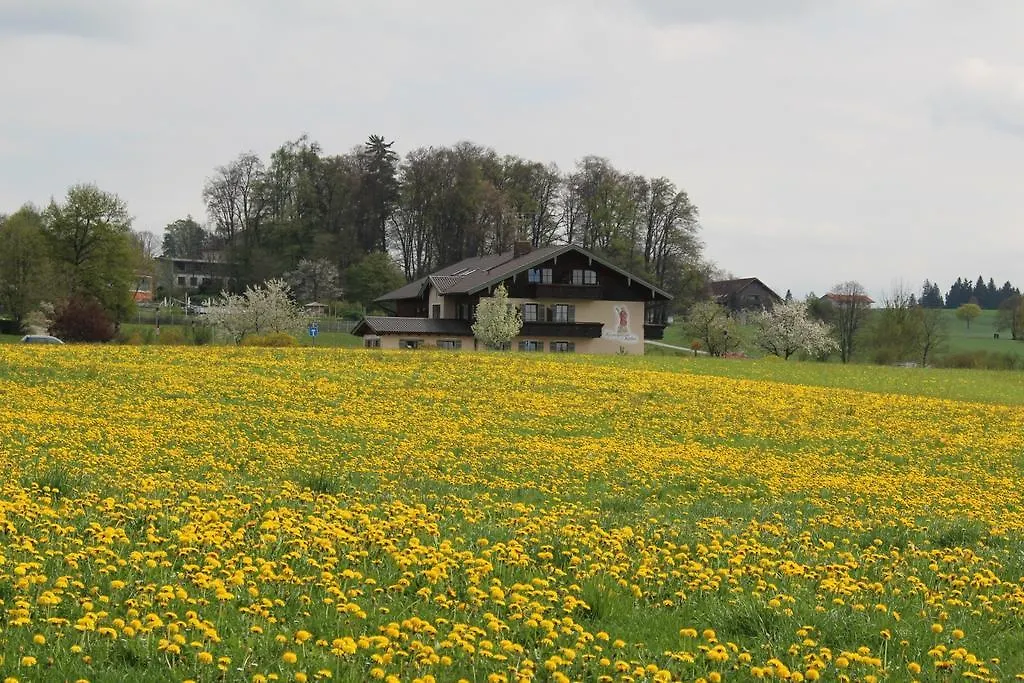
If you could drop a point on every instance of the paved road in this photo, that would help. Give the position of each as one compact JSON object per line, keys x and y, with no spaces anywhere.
{"x":672,"y":346}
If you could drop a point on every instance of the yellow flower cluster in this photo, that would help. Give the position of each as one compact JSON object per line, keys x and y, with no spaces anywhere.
{"x":316,"y":514}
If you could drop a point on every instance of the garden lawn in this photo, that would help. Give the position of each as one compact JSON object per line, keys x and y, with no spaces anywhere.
{"x":223,"y":513}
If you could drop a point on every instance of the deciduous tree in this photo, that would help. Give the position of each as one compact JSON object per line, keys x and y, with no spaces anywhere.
{"x":90,"y":240}
{"x":374,"y":275}
{"x":849,"y":305}
{"x":497,"y":320}
{"x":968,"y":312}
{"x":25,"y":269}
{"x":314,"y":280}
{"x":894,"y":333}
{"x":788,"y":329}
{"x":712,"y":325}
{"x":185,"y":238}
{"x":258,"y":310}
{"x":1011,"y":316}
{"x":933,"y":335}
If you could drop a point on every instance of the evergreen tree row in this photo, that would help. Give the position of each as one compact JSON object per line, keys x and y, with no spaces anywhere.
{"x":963,"y":291}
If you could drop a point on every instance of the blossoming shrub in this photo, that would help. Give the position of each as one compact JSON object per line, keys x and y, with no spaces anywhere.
{"x":231,"y":513}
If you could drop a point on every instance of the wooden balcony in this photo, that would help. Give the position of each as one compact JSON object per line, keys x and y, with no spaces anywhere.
{"x":564,"y":330}
{"x":654,"y":330}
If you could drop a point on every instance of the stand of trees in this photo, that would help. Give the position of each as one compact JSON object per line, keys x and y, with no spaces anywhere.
{"x":433,"y":207}
{"x":985,"y":294}
{"x":78,"y":253}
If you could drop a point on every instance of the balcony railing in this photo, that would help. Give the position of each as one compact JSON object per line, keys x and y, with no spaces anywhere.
{"x":566,"y":291}
{"x":567,"y":330}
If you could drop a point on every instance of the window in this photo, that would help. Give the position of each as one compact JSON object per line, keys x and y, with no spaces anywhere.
{"x":464,"y":311}
{"x":181,"y":280}
{"x":371,"y":342}
{"x":563,"y":347}
{"x":410,"y":343}
{"x":450,"y":344}
{"x":435,"y":311}
{"x":539,"y":276}
{"x":531,"y":345}
{"x":531,"y":313}
{"x":563,"y":313}
{"x":584,"y":277}
{"x":193,"y":281}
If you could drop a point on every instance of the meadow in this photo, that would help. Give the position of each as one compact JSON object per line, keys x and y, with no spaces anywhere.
{"x":960,"y":338}
{"x":218,"y":513}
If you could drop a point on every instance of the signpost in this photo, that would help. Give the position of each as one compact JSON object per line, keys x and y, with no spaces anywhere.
{"x":314,"y":329}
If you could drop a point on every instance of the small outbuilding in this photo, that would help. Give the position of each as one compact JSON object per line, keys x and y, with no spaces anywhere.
{"x":315,"y":308}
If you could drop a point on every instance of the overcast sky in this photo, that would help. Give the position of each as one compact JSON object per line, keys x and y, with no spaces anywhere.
{"x":822,"y":140}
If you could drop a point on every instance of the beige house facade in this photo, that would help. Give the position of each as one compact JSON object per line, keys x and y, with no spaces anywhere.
{"x":570,"y":301}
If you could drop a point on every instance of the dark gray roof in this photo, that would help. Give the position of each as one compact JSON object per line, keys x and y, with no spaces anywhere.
{"x":725,"y":288}
{"x":477,"y":273}
{"x":380,"y":324}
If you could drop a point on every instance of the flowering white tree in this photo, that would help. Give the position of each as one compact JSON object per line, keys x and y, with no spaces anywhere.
{"x":788,"y":329}
{"x":497,"y":321}
{"x":269,"y":308}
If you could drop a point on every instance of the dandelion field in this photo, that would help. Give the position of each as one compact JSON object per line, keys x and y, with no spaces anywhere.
{"x":208,"y":514}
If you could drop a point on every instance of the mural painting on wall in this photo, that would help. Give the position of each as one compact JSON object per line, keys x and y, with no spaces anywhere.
{"x":620,"y":330}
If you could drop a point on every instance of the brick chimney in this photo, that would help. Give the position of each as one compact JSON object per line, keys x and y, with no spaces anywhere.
{"x":521,"y":248}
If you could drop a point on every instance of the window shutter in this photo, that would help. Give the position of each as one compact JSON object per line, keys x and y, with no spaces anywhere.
{"x":522,"y":346}
{"x":549,"y":312}
{"x":571,"y":347}
{"x":572,"y":313}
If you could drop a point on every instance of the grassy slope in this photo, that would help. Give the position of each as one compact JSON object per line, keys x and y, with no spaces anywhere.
{"x":979,"y":336}
{"x":987,"y":386}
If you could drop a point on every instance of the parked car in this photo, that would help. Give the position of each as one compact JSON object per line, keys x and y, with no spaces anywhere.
{"x":40,"y":339}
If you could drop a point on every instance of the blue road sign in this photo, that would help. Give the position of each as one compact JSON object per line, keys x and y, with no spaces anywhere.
{"x":314,"y":329}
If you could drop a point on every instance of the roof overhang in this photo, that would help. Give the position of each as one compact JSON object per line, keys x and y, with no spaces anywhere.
{"x":656,"y":292}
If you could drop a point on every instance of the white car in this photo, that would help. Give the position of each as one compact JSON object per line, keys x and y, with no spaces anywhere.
{"x":40,"y":339}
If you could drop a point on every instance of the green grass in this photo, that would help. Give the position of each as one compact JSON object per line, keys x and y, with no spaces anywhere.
{"x":960,"y":339}
{"x":984,"y":386}
{"x":333,"y":340}
{"x":979,"y":336}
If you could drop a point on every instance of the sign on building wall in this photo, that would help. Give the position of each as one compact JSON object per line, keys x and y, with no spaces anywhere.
{"x":620,"y":330}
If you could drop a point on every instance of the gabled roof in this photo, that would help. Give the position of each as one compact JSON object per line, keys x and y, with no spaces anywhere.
{"x":721,"y":289}
{"x":478,"y":273}
{"x":379,"y":324}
